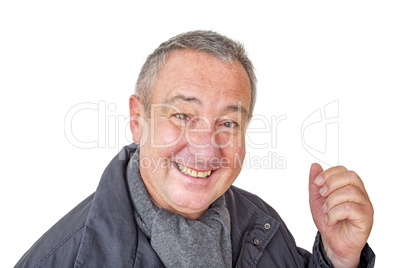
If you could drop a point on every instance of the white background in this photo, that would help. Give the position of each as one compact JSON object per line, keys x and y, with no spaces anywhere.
{"x":57,"y":54}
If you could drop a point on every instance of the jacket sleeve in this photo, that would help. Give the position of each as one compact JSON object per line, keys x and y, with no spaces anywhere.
{"x":319,"y":259}
{"x":44,"y":253}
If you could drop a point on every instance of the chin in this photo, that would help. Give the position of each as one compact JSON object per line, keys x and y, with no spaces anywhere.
{"x":190,"y":203}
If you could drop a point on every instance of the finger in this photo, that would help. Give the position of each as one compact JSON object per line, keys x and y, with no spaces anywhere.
{"x":340,"y":180}
{"x":323,"y":176}
{"x":349,"y":193}
{"x":350,"y":211}
{"x":315,"y":169}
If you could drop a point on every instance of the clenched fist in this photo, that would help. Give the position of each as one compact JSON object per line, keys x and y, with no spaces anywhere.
{"x":342,"y":212}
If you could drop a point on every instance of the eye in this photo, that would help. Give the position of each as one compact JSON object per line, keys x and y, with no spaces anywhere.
{"x":182,"y":117}
{"x":230,"y":124}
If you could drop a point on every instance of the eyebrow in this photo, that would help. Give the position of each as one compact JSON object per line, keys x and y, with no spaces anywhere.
{"x":182,"y":97}
{"x":237,"y":108}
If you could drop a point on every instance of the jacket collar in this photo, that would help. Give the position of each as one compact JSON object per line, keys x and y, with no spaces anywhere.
{"x":111,"y":233}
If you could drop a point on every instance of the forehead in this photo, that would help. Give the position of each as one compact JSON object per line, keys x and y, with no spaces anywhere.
{"x":198,"y":73}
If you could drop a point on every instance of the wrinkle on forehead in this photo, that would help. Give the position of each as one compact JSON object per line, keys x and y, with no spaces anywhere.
{"x":208,"y":76}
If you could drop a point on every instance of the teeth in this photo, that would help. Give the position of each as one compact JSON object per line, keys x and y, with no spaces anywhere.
{"x":193,"y":173}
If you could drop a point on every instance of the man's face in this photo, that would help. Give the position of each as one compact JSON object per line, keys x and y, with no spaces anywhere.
{"x":193,"y":144}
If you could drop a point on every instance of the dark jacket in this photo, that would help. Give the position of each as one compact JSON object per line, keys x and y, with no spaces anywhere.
{"x":102,"y":232}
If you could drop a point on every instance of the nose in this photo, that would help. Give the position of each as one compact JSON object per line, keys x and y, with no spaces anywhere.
{"x":201,"y":141}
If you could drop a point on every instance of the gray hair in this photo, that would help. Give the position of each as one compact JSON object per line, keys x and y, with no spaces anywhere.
{"x":204,"y":41}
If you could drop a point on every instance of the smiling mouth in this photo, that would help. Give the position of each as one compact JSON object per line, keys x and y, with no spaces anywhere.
{"x":193,"y":173}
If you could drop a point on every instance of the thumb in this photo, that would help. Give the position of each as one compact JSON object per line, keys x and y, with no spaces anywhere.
{"x":315,"y":170}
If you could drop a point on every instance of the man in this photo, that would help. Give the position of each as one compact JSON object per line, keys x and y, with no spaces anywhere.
{"x":169,"y":202}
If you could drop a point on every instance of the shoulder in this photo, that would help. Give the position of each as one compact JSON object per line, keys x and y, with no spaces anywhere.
{"x":64,"y":236}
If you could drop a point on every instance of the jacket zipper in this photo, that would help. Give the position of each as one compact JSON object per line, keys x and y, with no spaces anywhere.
{"x":243,"y":238}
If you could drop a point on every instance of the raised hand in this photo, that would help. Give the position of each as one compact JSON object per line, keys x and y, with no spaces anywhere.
{"x":342,"y":212}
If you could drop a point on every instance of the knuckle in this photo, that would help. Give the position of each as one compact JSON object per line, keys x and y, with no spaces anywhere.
{"x":342,"y":168}
{"x":371,"y":212}
{"x":350,"y":189}
{"x":352,"y":173}
{"x":348,"y":207}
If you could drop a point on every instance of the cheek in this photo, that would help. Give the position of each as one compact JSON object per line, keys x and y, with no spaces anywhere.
{"x":230,"y":141}
{"x":234,"y":151}
{"x":166,"y":137}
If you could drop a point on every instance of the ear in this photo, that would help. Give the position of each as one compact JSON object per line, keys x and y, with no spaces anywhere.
{"x":136,"y":118}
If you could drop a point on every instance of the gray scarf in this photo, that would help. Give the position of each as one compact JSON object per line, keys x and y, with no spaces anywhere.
{"x":181,"y":242}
